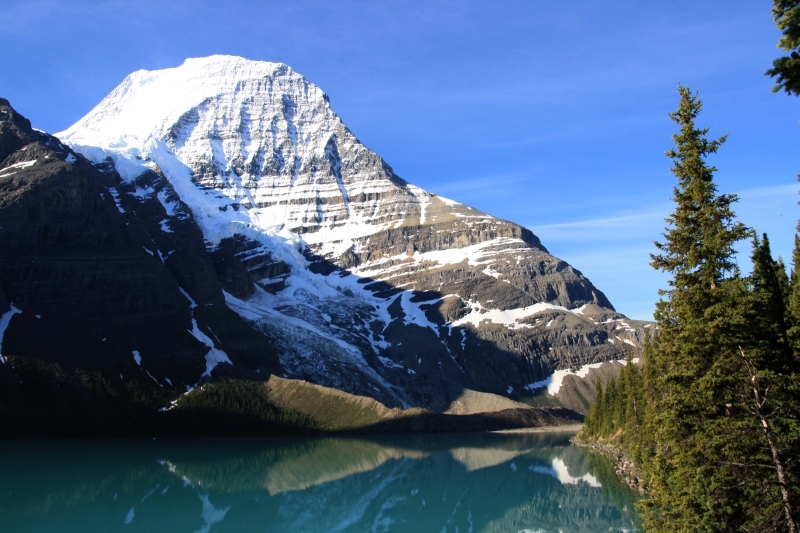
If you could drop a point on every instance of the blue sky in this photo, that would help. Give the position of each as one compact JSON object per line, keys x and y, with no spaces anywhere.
{"x":550,"y":114}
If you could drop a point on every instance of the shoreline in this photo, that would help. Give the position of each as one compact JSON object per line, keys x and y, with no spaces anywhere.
{"x":624,"y":467}
{"x":566,"y":428}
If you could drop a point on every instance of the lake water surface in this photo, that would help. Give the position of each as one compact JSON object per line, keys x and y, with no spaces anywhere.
{"x":518,"y":482}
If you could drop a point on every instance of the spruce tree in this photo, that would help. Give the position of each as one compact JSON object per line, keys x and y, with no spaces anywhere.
{"x":696,"y":352}
{"x":787,"y":68}
{"x":634,"y":407}
{"x":784,"y":287}
{"x":770,"y":287}
{"x":721,"y":383}
{"x":718,"y":434}
{"x":645,"y":445}
{"x":763,"y":427}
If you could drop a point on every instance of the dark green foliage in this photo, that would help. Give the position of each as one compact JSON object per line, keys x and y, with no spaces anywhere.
{"x":617,"y":414}
{"x":770,"y":288}
{"x":793,"y":306}
{"x":697,"y":339}
{"x":237,"y":408}
{"x":786,"y":69}
{"x":40,"y":399}
{"x":44,"y":400}
{"x":709,"y":458}
{"x":712,"y":417}
{"x":698,"y":247}
{"x":784,"y":286}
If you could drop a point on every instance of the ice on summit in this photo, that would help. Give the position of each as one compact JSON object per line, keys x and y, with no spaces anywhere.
{"x":274,"y":159}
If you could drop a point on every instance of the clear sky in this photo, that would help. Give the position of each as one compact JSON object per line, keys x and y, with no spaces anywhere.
{"x":550,"y":114}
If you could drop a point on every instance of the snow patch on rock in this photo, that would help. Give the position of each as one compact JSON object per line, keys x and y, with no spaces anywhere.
{"x":5,"y":320}
{"x":214,"y":356}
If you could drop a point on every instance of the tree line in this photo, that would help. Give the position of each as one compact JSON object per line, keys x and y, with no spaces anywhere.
{"x":710,"y":414}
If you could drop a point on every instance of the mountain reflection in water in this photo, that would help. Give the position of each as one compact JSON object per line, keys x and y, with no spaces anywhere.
{"x":439,"y":483}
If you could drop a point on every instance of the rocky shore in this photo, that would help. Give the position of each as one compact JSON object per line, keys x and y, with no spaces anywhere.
{"x":625,"y":468}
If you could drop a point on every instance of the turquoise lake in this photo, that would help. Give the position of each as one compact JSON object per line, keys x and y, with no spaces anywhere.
{"x":460,"y":483}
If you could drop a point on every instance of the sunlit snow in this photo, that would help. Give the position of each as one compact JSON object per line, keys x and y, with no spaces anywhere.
{"x":553,"y":382}
{"x":163,"y":120}
{"x":115,"y":196}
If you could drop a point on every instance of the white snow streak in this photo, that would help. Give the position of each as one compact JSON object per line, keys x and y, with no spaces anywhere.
{"x":19,"y":166}
{"x":5,"y":320}
{"x":509,"y":317}
{"x":214,"y":356}
{"x":115,"y":196}
{"x":192,"y":303}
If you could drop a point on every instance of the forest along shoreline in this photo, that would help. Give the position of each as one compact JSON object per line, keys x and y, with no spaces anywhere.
{"x":624,"y":467}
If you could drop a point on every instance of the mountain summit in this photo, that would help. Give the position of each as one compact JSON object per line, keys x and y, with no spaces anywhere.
{"x":261,"y":136}
{"x":360,"y":280}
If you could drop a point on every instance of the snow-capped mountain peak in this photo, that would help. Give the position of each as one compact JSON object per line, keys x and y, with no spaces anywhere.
{"x":147,"y":102}
{"x":362,"y":281}
{"x":260,"y":135}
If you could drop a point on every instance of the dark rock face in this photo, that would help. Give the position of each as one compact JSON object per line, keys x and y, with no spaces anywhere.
{"x":522,"y":271}
{"x":103,"y":283}
{"x":242,"y":263}
{"x":15,"y":132}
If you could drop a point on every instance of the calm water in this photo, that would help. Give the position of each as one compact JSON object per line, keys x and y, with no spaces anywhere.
{"x":437,"y":483}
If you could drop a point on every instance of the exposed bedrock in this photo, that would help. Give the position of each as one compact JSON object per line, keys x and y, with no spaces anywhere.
{"x":511,"y":270}
{"x":106,"y":275}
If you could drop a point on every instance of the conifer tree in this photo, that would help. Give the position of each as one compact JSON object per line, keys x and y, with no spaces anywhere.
{"x":787,"y":68}
{"x":721,"y":383}
{"x":633,"y":407}
{"x":590,"y":423}
{"x":609,"y":405}
{"x":718,"y":434}
{"x":793,"y":314}
{"x":769,"y":288}
{"x":644,"y":447}
{"x":762,"y":420}
{"x":698,"y":335}
{"x":784,"y":287}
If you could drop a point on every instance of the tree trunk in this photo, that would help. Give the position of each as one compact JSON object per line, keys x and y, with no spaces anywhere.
{"x":758,"y":411}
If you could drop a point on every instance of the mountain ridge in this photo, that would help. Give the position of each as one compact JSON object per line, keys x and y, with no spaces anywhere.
{"x":361,"y":281}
